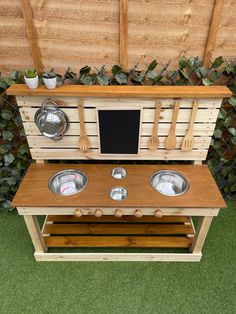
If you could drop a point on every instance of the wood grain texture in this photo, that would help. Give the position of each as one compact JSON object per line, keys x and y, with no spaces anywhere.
{"x":118,"y":257}
{"x":94,"y":154}
{"x":124,"y":33}
{"x":124,"y":91}
{"x":117,"y":241}
{"x":34,"y":101}
{"x":66,"y":148}
{"x":32,"y":34}
{"x":116,"y":229}
{"x":213,"y":30}
{"x":127,"y":211}
{"x":144,"y":219}
{"x":165,"y":30}
{"x":203,"y":192}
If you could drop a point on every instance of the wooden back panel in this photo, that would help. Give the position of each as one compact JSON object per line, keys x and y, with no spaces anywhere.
{"x":67,"y":148}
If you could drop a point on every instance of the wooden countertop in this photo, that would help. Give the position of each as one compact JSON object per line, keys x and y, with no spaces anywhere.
{"x":34,"y":191}
{"x":124,"y":91}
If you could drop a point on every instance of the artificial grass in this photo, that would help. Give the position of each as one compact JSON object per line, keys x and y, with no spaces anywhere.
{"x":27,"y":286}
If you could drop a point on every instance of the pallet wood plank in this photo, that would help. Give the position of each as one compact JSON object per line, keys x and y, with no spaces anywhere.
{"x":117,"y":229}
{"x":144,"y":219}
{"x":124,"y":91}
{"x":203,"y":115}
{"x":118,"y":241}
{"x":124,"y":34}
{"x":213,"y":30}
{"x":32,"y":34}
{"x":145,"y":154}
{"x":72,"y":142}
{"x":128,"y":257}
{"x":36,"y":101}
{"x":200,"y":129}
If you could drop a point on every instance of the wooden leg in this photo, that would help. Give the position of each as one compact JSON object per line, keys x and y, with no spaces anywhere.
{"x":35,"y":233}
{"x":201,"y":233}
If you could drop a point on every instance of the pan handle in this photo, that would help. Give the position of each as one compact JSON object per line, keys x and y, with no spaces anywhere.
{"x":49,"y":103}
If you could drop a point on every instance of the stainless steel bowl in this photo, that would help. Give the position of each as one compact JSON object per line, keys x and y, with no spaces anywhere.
{"x":68,"y":182}
{"x":51,"y":121}
{"x":118,"y":194}
{"x":169,"y":182}
{"x":119,"y":173}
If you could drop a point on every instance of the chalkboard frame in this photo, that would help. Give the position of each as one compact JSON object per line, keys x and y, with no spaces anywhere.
{"x":136,"y":108}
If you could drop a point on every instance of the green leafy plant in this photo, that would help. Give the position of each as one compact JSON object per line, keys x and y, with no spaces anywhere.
{"x":69,"y":77}
{"x":119,"y":77}
{"x":30,"y":73}
{"x":14,"y":152}
{"x":102,"y":78}
{"x":49,"y":74}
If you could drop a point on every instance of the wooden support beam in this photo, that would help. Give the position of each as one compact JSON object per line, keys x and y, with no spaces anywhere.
{"x":32,"y":34}
{"x":35,"y":233}
{"x":212,"y":34}
{"x":201,"y":233}
{"x":123,"y":33}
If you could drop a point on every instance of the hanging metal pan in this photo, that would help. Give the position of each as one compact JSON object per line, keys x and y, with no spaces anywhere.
{"x":51,"y":121}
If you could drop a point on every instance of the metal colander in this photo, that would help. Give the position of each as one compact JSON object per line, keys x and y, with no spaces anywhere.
{"x":51,"y":121}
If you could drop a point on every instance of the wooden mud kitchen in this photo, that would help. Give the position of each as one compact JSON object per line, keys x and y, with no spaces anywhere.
{"x":130,"y":211}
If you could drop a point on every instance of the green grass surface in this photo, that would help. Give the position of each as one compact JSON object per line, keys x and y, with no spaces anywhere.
{"x":27,"y":286}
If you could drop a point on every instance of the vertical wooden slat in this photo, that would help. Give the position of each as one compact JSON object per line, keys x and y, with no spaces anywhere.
{"x":32,"y":34}
{"x":212,"y":34}
{"x":123,"y":33}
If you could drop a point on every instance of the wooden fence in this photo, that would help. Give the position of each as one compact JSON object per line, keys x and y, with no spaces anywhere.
{"x":79,"y":32}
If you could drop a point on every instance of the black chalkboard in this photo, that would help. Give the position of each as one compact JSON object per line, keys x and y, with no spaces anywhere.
{"x":119,"y":131}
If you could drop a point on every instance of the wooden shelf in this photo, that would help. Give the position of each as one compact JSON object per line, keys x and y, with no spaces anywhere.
{"x":164,"y":232}
{"x":123,"y":91}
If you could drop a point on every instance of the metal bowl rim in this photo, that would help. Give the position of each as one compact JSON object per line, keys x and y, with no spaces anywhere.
{"x":122,"y":188}
{"x":59,"y":172}
{"x":126,"y":172}
{"x":174,"y":172}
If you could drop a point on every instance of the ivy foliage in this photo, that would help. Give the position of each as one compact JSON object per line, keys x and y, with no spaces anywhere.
{"x":14,"y":152}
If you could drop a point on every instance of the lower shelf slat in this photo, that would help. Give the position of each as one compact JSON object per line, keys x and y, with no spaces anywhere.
{"x":123,"y":219}
{"x":118,"y":241}
{"x":117,"y":229}
{"x":110,"y":231}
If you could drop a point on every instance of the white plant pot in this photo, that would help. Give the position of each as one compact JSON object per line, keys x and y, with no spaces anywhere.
{"x":50,"y":83}
{"x":32,"y":83}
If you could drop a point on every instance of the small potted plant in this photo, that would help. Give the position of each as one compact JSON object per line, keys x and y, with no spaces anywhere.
{"x":31,"y":78}
{"x":50,"y":79}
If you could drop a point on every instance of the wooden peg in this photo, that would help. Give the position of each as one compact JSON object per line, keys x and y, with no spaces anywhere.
{"x":119,"y":213}
{"x":78,"y":213}
{"x":98,"y":212}
{"x":158,"y":212}
{"x":138,"y":213}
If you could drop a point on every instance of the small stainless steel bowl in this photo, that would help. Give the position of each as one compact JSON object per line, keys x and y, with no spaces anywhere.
{"x":68,"y":182}
{"x":119,"y":193}
{"x":169,"y":182}
{"x":119,"y":173}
